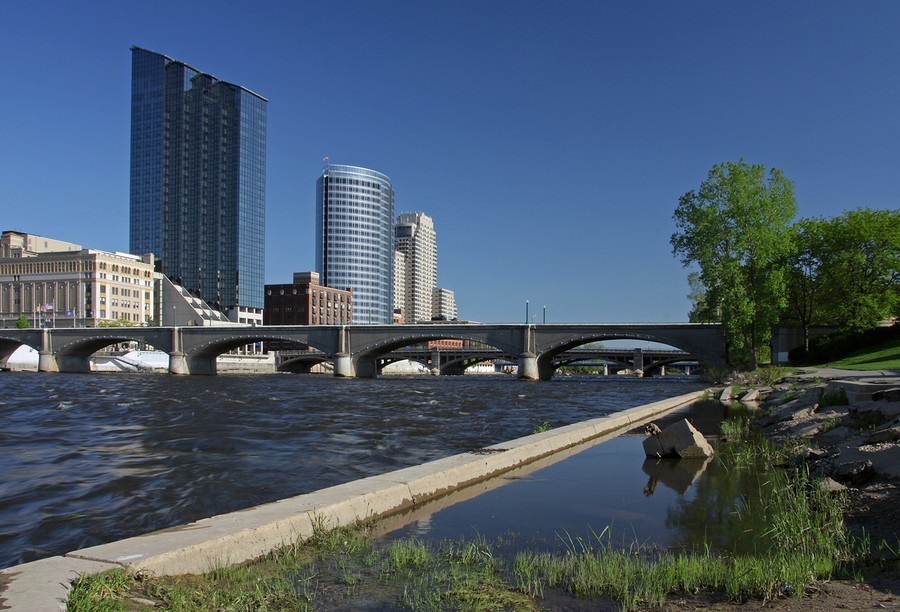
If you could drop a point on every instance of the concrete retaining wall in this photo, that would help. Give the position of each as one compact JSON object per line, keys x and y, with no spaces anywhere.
{"x":238,"y":536}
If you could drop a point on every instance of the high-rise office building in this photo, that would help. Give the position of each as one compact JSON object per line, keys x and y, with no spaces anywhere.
{"x":414,"y":237}
{"x":443,"y":305}
{"x":198,"y":181}
{"x":355,"y":238}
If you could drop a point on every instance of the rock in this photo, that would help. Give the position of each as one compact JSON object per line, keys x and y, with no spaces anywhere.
{"x":853,"y":472}
{"x":750,"y":396}
{"x":653,"y":448}
{"x":829,"y":485}
{"x":833,"y":436}
{"x":889,"y":434}
{"x":803,"y":430}
{"x":683,"y":440}
{"x":815,"y":454}
{"x":726,"y":394}
{"x":887,"y":395}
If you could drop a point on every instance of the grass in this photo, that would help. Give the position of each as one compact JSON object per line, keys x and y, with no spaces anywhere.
{"x":802,"y":540}
{"x":542,"y":427}
{"x":838,"y":397}
{"x":884,"y":356}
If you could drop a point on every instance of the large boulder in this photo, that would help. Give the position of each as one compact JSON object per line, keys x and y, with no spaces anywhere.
{"x":678,"y":440}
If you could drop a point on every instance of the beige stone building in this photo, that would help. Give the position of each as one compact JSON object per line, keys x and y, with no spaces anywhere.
{"x":58,"y":284}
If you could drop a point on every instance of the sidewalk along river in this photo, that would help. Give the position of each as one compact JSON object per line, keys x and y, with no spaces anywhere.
{"x":91,"y":458}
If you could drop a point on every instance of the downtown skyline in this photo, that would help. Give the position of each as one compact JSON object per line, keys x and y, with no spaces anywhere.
{"x":549,"y":143}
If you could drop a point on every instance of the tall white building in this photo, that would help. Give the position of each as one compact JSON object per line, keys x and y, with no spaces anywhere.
{"x":414,"y":237}
{"x":355,"y":240}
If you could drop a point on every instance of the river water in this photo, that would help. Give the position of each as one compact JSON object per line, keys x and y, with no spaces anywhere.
{"x":92,"y":458}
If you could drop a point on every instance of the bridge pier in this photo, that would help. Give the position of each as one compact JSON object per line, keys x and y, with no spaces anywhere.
{"x":638,"y":363}
{"x":177,"y":363}
{"x":46,"y":357}
{"x":343,"y":366}
{"x":528,"y":367}
{"x":47,"y":362}
{"x":346,"y":366}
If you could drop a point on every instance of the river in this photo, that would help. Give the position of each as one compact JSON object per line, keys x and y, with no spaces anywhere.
{"x":92,"y":458}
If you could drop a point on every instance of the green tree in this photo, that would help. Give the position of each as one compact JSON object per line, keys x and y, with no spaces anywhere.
{"x":701,"y":310}
{"x":22,"y":322}
{"x":121,"y":322}
{"x":735,"y":229}
{"x":860,"y":267}
{"x":805,"y":276}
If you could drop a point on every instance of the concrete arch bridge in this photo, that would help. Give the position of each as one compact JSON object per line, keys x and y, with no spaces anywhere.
{"x":356,"y":350}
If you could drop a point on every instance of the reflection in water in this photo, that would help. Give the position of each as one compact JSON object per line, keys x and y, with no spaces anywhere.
{"x":612,"y":490}
{"x":727,"y":503}
{"x":677,"y":474}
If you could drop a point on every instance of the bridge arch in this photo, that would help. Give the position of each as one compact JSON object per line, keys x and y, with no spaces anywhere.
{"x":70,"y":350}
{"x":371,"y":345}
{"x":200,"y":354}
{"x":9,"y":344}
{"x":553,"y":342}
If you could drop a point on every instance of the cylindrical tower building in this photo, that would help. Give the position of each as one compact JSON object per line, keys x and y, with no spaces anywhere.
{"x":355,"y":238}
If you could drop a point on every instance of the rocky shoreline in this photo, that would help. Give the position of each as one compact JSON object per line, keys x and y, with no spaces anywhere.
{"x":849,"y":423}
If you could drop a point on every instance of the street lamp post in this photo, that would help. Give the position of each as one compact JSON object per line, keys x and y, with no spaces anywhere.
{"x":545,"y":314}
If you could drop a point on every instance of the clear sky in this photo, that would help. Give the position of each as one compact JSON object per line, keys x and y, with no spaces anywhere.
{"x":550,"y":141}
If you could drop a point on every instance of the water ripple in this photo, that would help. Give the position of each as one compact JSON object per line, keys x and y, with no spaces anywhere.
{"x":87,"y":459}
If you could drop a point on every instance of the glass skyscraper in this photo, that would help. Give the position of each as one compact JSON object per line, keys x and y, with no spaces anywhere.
{"x":198,"y":179}
{"x":355,"y":238}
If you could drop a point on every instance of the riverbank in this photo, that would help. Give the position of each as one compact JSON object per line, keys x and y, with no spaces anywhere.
{"x":849,"y":423}
{"x":231,"y":538}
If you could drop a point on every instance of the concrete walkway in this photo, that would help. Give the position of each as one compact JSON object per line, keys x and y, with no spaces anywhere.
{"x":826,"y":372}
{"x":239,"y":536}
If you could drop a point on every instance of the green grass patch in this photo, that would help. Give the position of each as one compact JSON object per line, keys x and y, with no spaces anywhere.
{"x":885,"y":356}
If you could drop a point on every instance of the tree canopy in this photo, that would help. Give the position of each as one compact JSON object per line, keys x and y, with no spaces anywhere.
{"x":845,"y":271}
{"x":735,"y":229}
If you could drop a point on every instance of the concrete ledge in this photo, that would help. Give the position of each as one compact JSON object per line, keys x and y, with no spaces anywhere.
{"x":247,"y":534}
{"x":858,"y":391}
{"x":43,"y":585}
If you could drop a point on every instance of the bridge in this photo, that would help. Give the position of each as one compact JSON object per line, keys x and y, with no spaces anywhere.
{"x":355,"y":350}
{"x":454,"y":360}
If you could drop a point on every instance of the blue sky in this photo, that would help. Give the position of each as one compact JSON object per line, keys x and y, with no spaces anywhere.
{"x":550,"y":141}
